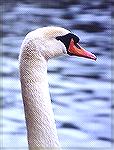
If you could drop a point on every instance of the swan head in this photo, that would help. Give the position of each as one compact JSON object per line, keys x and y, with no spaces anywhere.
{"x":55,"y":41}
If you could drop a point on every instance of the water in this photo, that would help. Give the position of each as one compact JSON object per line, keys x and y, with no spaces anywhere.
{"x":80,"y":88}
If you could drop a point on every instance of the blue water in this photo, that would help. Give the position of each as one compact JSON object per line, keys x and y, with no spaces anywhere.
{"x":80,"y":88}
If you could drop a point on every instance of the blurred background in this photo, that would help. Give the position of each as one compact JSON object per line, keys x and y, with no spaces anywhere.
{"x":80,"y":88}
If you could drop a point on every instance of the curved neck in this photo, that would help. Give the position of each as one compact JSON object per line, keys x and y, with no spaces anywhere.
{"x":41,"y":128}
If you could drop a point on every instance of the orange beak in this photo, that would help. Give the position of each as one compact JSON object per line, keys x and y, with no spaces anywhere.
{"x":77,"y":50}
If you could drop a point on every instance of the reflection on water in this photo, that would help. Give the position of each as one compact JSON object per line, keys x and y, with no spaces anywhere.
{"x":80,"y":89}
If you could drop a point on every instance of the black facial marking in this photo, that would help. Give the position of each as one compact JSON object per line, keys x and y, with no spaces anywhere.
{"x":67,"y":38}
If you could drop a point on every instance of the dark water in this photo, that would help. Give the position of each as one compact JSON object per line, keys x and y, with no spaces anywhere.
{"x":80,"y":88}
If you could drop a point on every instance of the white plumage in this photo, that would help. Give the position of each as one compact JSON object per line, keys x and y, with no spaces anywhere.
{"x":37,"y":47}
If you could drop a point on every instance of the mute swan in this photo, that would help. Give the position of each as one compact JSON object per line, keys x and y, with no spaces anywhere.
{"x":38,"y":46}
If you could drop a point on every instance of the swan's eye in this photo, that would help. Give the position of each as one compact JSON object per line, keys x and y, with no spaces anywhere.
{"x":76,"y":39}
{"x":64,"y":39}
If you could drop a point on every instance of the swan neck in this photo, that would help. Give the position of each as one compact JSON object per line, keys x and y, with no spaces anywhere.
{"x":41,"y":128}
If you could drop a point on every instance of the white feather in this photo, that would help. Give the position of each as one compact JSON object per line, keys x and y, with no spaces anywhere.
{"x":37,"y":47}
